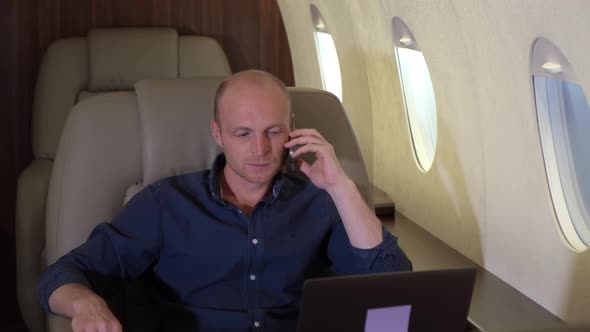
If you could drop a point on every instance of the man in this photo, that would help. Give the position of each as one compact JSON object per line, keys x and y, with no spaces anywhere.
{"x":229,"y":248}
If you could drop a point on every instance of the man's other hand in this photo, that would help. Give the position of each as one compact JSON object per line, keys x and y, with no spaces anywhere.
{"x":93,"y":314}
{"x":89,"y":312}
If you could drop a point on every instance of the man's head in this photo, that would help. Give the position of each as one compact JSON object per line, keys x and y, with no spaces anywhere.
{"x":252,"y":116}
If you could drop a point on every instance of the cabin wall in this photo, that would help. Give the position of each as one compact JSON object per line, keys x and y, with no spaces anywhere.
{"x":250,"y":31}
{"x":486,"y":194}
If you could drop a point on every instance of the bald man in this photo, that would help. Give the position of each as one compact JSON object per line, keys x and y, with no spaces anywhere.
{"x":229,"y":248}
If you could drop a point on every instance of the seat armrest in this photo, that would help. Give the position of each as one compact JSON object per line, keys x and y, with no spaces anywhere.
{"x":58,"y":323}
{"x":31,"y":199}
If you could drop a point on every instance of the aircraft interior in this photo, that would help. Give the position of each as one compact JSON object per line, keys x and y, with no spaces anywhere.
{"x":461,"y":122}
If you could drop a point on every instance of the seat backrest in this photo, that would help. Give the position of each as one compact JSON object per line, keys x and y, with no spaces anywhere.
{"x":99,"y":154}
{"x":109,"y":59}
{"x":174,"y":116}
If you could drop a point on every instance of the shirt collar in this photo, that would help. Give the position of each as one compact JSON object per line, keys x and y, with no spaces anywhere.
{"x":215,"y":186}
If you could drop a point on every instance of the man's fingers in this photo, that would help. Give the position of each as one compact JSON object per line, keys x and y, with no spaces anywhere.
{"x":106,"y":323}
{"x":102,"y":327}
{"x":302,"y":165}
{"x":302,"y":140}
{"x":306,"y":132}
{"x":111,"y":325}
{"x":313,"y":148}
{"x":116,"y":327}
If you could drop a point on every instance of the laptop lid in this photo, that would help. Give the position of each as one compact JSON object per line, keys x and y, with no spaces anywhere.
{"x":393,"y":302}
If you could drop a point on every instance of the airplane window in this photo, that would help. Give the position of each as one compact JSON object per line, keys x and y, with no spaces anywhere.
{"x":563,"y":116}
{"x":327,"y":55}
{"x":418,"y":93}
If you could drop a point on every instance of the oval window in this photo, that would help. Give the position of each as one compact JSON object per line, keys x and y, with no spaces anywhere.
{"x":418,"y":94}
{"x":563,"y":117}
{"x":327,"y":55}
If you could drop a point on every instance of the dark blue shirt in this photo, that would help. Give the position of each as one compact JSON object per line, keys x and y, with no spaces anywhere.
{"x":213,"y":267}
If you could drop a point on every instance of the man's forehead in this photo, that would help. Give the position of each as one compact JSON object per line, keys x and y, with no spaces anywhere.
{"x":244,"y":88}
{"x":254,"y":93}
{"x":254,"y":80}
{"x":251,"y":91}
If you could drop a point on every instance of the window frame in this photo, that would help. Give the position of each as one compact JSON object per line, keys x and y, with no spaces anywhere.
{"x":550,"y":67}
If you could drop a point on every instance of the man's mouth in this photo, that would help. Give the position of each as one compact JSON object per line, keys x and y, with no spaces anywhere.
{"x":260,"y":165}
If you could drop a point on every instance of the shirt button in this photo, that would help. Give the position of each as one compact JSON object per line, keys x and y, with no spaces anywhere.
{"x":255,"y":241}
{"x":256,"y":324}
{"x":252,"y":277}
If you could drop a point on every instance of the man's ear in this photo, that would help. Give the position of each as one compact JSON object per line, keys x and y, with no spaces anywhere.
{"x":216,"y":132}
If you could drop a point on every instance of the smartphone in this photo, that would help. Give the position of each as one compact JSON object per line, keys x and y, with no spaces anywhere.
{"x":289,"y":162}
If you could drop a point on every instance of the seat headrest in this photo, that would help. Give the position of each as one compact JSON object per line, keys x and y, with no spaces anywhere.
{"x":174,"y":117}
{"x":119,"y":57}
{"x":113,"y":59}
{"x":98,"y":157}
{"x":323,"y":111}
{"x":201,"y":56}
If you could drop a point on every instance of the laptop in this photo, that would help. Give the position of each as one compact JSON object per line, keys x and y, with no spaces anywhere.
{"x":422,"y":301}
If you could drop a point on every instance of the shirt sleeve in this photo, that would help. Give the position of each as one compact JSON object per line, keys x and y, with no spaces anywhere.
{"x":387,"y":256}
{"x":120,"y":250}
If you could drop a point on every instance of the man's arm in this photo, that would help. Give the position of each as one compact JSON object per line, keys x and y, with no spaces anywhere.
{"x":123,"y":249}
{"x":372,"y":248}
{"x":362,"y":226}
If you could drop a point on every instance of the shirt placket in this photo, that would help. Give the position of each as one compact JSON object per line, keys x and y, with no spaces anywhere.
{"x":254,"y":277}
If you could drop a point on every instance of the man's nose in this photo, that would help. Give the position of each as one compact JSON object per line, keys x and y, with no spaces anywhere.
{"x":262,"y":145}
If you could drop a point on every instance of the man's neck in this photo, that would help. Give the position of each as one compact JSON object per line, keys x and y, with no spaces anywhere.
{"x":245,"y":195}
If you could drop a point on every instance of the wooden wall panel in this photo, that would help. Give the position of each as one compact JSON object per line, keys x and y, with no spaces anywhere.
{"x":250,"y":31}
{"x":18,"y":63}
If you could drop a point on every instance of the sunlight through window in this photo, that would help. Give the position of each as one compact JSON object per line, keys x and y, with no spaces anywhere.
{"x":418,"y":93}
{"x":327,"y":55}
{"x":564,"y":116}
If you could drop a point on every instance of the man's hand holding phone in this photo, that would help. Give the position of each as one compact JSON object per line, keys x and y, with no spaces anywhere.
{"x":326,"y":172}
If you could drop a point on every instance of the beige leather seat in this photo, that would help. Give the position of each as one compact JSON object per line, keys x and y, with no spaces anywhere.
{"x":74,"y":69}
{"x":115,"y":140}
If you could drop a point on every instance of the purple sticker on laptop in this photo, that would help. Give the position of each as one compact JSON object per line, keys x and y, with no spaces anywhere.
{"x":388,"y":319}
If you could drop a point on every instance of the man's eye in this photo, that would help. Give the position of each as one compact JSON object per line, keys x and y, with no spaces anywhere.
{"x":241,"y":134}
{"x":275,"y":132}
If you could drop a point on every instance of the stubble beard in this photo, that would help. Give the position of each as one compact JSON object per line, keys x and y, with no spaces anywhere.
{"x":243,"y":174}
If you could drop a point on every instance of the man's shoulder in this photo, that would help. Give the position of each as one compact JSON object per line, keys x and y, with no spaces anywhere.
{"x":194,"y":183}
{"x":192,"y":180}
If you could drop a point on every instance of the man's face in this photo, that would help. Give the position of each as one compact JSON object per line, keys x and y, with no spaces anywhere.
{"x":252,"y":127}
